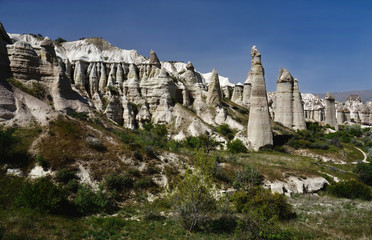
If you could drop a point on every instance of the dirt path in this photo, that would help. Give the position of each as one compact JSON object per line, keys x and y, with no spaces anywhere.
{"x":364,"y":154}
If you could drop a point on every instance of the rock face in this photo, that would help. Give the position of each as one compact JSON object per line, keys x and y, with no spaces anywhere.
{"x":288,"y":102}
{"x":259,"y":127}
{"x":330,"y":110}
{"x":214,"y":96}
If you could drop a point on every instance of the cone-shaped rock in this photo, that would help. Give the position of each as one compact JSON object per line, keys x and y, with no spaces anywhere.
{"x":330,"y":110}
{"x":259,"y":127}
{"x":247,"y":90}
{"x":214,"y":90}
{"x":154,"y":60}
{"x":298,"y":108}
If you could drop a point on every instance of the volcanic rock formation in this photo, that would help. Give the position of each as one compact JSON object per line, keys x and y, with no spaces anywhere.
{"x":259,"y":127}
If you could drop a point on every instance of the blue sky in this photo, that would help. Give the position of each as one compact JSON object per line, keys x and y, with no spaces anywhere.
{"x":326,"y":44}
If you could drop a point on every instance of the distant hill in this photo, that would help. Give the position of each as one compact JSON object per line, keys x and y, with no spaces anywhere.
{"x":366,"y":95}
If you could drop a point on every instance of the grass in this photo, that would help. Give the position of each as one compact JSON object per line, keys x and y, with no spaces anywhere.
{"x":330,"y":218}
{"x":277,"y":166}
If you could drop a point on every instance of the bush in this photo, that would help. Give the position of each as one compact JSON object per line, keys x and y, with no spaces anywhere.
{"x":118,"y":182}
{"x":351,"y":189}
{"x":270,"y":205}
{"x":335,"y":142}
{"x":247,"y":177}
{"x":226,"y":131}
{"x":364,"y":172}
{"x":7,"y":139}
{"x":355,"y":130}
{"x":144,"y":183}
{"x":60,"y":40}
{"x":63,"y":175}
{"x":193,"y":202}
{"x":255,"y":226}
{"x":96,"y":144}
{"x":79,"y":115}
{"x":357,"y":143}
{"x":43,"y":196}
{"x":320,"y":145}
{"x":301,"y":143}
{"x":236,"y":146}
{"x":87,"y":201}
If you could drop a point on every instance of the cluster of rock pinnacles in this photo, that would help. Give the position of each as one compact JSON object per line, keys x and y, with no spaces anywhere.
{"x":132,"y":94}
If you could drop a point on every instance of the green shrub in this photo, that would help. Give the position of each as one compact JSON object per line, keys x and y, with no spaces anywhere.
{"x":350,"y":189}
{"x":41,"y":162}
{"x":320,"y":145}
{"x":43,"y":196}
{"x":356,"y":142}
{"x":335,"y":142}
{"x":79,"y":115}
{"x":72,"y":186}
{"x":226,"y":131}
{"x":364,"y":172}
{"x":150,"y":152}
{"x":7,"y":139}
{"x":144,"y":183}
{"x":96,"y":144}
{"x":301,"y":143}
{"x":271,"y":205}
{"x":118,"y":182}
{"x":63,"y":175}
{"x":247,"y":177}
{"x":355,"y":130}
{"x":193,"y":202}
{"x":134,"y":172}
{"x":87,"y":201}
{"x":60,"y":40}
{"x":255,"y":226}
{"x":236,"y":146}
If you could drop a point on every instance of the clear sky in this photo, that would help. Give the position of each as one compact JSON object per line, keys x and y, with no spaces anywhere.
{"x":326,"y":44}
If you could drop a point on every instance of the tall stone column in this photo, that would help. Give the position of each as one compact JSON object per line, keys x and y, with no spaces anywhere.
{"x":330,"y":110}
{"x":259,"y":126}
{"x":298,"y":108}
{"x":284,"y":98}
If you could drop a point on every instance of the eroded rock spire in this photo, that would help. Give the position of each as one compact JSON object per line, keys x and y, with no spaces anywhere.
{"x":259,"y":127}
